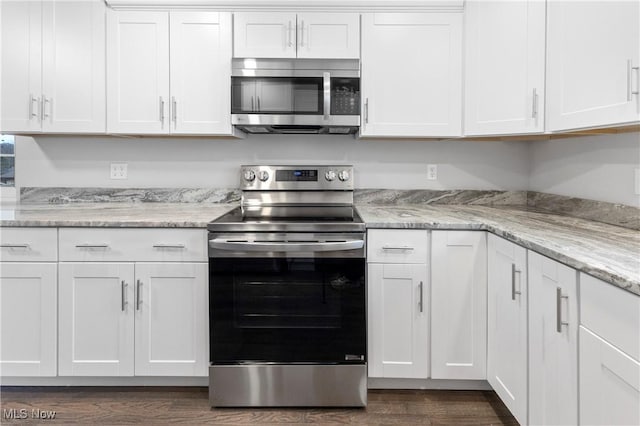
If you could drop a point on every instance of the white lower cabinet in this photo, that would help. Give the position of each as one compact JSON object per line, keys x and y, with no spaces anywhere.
{"x":172,"y":314}
{"x":28,"y":309}
{"x":126,"y":319}
{"x":96,"y":330}
{"x":507,"y":324}
{"x":459,"y":305}
{"x":553,"y":342}
{"x":609,"y":354}
{"x":398,"y":306}
{"x":133,"y":302}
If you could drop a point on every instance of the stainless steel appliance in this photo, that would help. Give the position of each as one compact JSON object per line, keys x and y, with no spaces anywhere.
{"x":287,"y":292}
{"x":295,"y":95}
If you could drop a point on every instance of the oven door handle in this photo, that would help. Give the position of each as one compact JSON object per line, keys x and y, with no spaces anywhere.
{"x":224,"y":244}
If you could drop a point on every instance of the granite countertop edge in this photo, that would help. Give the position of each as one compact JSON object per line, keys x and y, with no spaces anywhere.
{"x":601,"y":271}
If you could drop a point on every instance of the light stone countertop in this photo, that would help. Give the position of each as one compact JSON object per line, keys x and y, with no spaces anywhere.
{"x":608,"y":252}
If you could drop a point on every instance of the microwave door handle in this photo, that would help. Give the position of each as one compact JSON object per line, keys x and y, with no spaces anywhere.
{"x":326,"y":82}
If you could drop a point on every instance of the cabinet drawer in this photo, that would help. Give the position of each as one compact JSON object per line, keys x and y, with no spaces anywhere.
{"x":397,"y":246}
{"x":29,"y":244}
{"x":133,"y":245}
{"x":611,"y":313}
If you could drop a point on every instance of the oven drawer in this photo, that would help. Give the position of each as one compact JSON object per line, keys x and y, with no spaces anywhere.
{"x":133,"y":245}
{"x":397,"y":246}
{"x":29,"y":245}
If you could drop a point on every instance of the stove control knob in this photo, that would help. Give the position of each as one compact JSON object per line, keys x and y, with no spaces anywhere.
{"x":263,"y":175}
{"x":344,"y":175}
{"x":330,"y":175}
{"x":249,"y":175}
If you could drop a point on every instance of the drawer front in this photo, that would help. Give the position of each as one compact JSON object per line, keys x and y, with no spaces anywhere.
{"x":397,"y":246}
{"x":611,"y":313}
{"x":28,"y":244}
{"x":133,"y":245}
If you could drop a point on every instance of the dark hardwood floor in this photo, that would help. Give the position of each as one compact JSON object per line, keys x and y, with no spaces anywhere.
{"x":189,"y":405}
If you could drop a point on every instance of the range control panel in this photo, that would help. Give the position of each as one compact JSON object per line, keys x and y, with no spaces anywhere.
{"x":307,"y":178}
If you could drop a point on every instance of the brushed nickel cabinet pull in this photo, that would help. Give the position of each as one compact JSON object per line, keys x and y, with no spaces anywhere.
{"x":169,"y":246}
{"x":123,"y":300}
{"x":138,"y":285}
{"x":421,"y":301}
{"x":161,"y":103}
{"x":403,"y":248}
{"x":366,"y":110}
{"x":514,"y":271}
{"x":534,"y":108}
{"x":13,"y":246}
{"x":559,"y":322}
{"x":174,"y":110}
{"x":87,"y":245}
{"x":33,"y":112}
{"x":630,"y":91}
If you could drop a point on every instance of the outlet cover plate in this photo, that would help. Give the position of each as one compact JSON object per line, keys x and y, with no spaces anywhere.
{"x":432,"y":172}
{"x":118,"y":170}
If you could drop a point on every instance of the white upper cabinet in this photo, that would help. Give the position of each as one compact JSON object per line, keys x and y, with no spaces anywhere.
{"x":148,"y":94}
{"x":264,"y":35}
{"x":53,"y":67}
{"x":138,"y":72}
{"x":411,"y":74}
{"x":593,"y":55}
{"x":329,"y":35}
{"x":504,"y":67}
{"x":291,"y":35}
{"x":200,"y":72}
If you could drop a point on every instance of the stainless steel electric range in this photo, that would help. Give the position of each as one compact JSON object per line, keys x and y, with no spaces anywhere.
{"x":287,"y":292}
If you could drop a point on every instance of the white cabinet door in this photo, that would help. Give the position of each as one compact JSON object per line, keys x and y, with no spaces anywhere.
{"x":459,"y":305}
{"x":411,"y":74}
{"x":591,"y":50}
{"x":504,"y":67}
{"x":264,"y":35}
{"x":73,"y":62}
{"x":398,"y":323}
{"x":20,"y":76}
{"x":329,"y":35}
{"x":553,"y":342}
{"x":609,"y":383}
{"x":96,"y":321}
{"x":28,"y":307}
{"x":200,"y":72}
{"x":507,"y":324}
{"x":138,"y":72}
{"x":172,"y":317}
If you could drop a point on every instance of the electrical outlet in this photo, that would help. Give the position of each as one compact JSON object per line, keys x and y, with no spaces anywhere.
{"x":432,"y":172}
{"x":637,"y":182}
{"x":118,"y":170}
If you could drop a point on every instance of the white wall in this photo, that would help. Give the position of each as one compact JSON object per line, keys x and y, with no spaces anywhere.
{"x":595,"y":167}
{"x":190,"y":162}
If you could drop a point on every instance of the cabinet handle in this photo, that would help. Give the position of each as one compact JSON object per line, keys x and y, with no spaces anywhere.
{"x":46,"y":101}
{"x":302,"y":33}
{"x":289,"y":34}
{"x":138,"y":284}
{"x":258,"y":99}
{"x":559,"y":322}
{"x":169,"y":246}
{"x":366,"y":110}
{"x":123,"y":300}
{"x":161,"y":103}
{"x":92,"y":245}
{"x":534,"y":107}
{"x":174,"y":110}
{"x":404,"y":248}
{"x":326,"y":84}
{"x":13,"y":246}
{"x":630,"y":91}
{"x":33,"y":112}
{"x":421,"y":301}
{"x":514,"y":271}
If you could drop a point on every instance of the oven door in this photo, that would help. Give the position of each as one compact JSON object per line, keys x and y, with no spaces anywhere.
{"x":288,"y":306}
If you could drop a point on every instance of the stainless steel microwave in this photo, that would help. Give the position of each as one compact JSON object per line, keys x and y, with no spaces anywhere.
{"x":296,"y":95}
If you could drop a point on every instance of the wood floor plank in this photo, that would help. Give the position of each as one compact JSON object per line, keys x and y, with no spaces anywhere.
{"x":190,"y":405}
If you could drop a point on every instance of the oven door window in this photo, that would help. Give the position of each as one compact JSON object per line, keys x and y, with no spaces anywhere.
{"x":276,"y":95}
{"x":287,"y":310}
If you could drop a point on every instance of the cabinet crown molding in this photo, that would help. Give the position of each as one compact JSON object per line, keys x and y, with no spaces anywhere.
{"x":320,"y":5}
